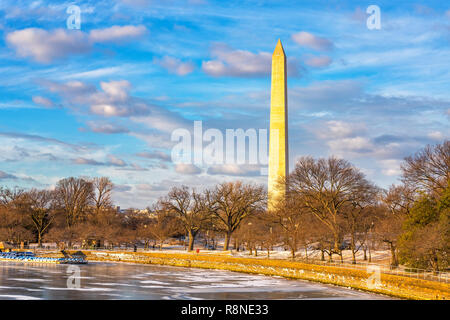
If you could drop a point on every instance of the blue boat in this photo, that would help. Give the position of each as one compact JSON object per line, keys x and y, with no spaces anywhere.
{"x":32,"y":258}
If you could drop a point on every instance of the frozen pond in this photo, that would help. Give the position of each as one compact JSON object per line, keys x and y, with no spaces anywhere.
{"x":134,"y":281}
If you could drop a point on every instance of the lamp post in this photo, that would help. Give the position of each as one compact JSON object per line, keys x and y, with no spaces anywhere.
{"x":145,"y":235}
{"x":248,"y":238}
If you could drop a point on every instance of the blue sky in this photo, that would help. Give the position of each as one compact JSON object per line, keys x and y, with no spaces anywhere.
{"x":103,"y":100}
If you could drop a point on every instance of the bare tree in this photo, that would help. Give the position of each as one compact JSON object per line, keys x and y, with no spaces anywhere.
{"x":428,"y":169}
{"x":371,"y":215}
{"x":40,"y":209}
{"x":269,"y":236}
{"x":8,"y":196}
{"x":232,"y":202}
{"x":290,"y":215}
{"x":190,"y":207}
{"x":144,"y":233}
{"x":13,"y":226}
{"x":428,"y":247}
{"x":105,"y":225}
{"x":245,"y":235}
{"x":212,"y":232}
{"x":74,"y":196}
{"x":327,"y":187}
{"x":256,"y":232}
{"x":101,"y":194}
{"x":163,"y":226}
{"x":13,"y":219}
{"x":398,"y":201}
{"x":356,"y":215}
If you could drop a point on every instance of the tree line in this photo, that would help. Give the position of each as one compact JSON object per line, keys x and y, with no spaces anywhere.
{"x":329,"y":205}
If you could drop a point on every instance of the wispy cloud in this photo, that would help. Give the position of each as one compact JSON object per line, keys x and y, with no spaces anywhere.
{"x":235,"y":170}
{"x":46,"y":46}
{"x":6,"y":176}
{"x":111,"y":161}
{"x":312,"y":41}
{"x":187,"y":169}
{"x":117,"y":34}
{"x":33,"y":137}
{"x":154,"y":155}
{"x":106,"y":128}
{"x":43,"y":101}
{"x":176,"y":66}
{"x":318,"y":62}
{"x":241,"y":63}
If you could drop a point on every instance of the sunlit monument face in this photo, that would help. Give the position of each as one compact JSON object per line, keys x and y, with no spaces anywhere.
{"x":278,"y":147}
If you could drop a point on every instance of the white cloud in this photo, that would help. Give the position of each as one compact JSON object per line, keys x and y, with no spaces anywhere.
{"x":342,"y":147}
{"x":135,"y":167}
{"x":139,"y":3}
{"x":117,"y":33}
{"x":235,"y":170}
{"x":318,"y":62}
{"x":96,"y":73}
{"x":73,"y":91}
{"x":122,"y":188}
{"x":36,"y":151}
{"x":436,"y":135}
{"x":145,"y":187}
{"x":46,"y":46}
{"x":42,"y":101}
{"x":114,"y":100}
{"x":40,"y":139}
{"x":214,"y":68}
{"x":154,"y":155}
{"x":197,"y":2}
{"x":334,"y":129}
{"x":116,"y":89}
{"x":237,"y":62}
{"x":326,"y":95}
{"x":241,"y":63}
{"x":187,"y":169}
{"x":155,"y":140}
{"x":176,"y":66}
{"x":86,"y":161}
{"x":359,"y":15}
{"x":351,"y":140}
{"x":309,"y":40}
{"x":107,"y":128}
{"x":113,"y":160}
{"x":390,"y":167}
{"x":7,"y":176}
{"x":163,"y":120}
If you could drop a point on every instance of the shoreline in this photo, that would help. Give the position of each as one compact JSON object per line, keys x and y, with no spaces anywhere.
{"x":389,"y":285}
{"x":274,"y":276}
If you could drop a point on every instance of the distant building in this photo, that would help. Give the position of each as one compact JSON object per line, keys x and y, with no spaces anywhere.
{"x":142,"y":211}
{"x":134,"y":211}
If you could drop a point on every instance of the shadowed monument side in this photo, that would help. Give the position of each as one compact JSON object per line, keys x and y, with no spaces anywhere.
{"x":278,"y":141}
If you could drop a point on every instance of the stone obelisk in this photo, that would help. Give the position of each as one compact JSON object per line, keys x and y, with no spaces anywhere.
{"x":278,"y":141}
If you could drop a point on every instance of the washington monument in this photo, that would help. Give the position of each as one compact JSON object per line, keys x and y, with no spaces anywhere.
{"x":278,"y":141}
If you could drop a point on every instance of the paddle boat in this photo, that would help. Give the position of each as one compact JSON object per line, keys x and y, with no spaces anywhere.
{"x":31,"y":257}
